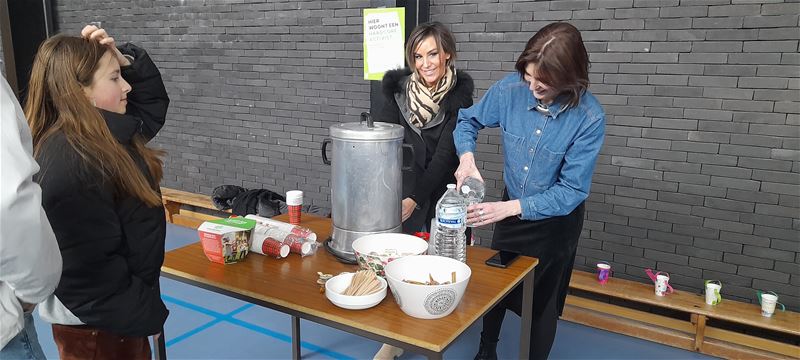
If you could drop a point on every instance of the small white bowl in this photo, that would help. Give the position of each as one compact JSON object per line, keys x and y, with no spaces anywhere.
{"x":427,"y":301}
{"x":386,"y":247}
{"x":336,"y":285}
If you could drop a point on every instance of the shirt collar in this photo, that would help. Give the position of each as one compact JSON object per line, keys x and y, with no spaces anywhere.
{"x":557,"y":107}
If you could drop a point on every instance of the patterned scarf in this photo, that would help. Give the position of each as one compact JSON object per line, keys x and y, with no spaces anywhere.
{"x":423,"y":102}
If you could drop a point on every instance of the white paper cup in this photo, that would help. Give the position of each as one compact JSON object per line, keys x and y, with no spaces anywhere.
{"x":768,"y":302}
{"x":661,"y":285}
{"x":712,"y":293}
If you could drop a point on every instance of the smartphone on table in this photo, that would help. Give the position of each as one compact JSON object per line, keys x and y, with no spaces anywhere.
{"x":502,"y":258}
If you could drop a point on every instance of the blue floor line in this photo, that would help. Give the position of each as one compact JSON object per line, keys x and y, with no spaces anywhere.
{"x":219,"y":317}
{"x":189,"y":333}
{"x":200,"y":328}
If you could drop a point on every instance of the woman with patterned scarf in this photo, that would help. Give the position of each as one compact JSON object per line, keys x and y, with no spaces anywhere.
{"x":425,"y":100}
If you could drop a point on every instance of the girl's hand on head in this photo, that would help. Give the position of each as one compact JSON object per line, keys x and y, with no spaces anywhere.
{"x":94,"y":33}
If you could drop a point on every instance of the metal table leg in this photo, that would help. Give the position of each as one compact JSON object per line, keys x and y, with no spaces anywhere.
{"x":296,"y":338}
{"x":527,"y":316}
{"x":161,"y":347}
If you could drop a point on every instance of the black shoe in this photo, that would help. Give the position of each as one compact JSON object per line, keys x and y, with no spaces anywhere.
{"x":487,"y":351}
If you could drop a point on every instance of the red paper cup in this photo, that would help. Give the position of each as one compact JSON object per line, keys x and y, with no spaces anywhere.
{"x":275,"y":248}
{"x":300,"y":247}
{"x":294,"y":214}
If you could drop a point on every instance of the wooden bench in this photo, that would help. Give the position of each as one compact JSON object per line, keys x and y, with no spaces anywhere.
{"x":692,"y":332}
{"x":182,"y":208}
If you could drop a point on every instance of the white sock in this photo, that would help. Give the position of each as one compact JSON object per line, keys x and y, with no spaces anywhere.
{"x":388,"y":352}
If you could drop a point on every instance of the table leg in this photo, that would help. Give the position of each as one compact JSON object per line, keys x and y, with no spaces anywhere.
{"x":161,"y":347}
{"x":296,"y":338}
{"x":527,"y":316}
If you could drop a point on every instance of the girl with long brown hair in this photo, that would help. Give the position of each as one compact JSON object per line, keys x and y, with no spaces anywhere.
{"x":91,"y":108}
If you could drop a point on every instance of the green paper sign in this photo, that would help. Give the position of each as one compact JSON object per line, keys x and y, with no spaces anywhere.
{"x":384,"y":39}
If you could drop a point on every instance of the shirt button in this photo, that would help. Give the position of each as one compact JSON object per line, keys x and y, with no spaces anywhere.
{"x":531,"y":150}
{"x":525,"y":168}
{"x":538,"y":131}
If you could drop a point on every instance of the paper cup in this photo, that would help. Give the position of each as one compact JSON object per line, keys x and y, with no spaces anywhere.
{"x":272,"y":247}
{"x":712,"y":292}
{"x":603,"y":272}
{"x":300,"y":247}
{"x":768,"y":302}
{"x":662,"y":285}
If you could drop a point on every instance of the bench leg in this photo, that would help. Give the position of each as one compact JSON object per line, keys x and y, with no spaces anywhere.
{"x":171,"y":208}
{"x":699,"y":322}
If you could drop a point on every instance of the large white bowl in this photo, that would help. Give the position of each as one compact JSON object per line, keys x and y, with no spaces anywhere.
{"x":374,"y":251}
{"x":427,"y":301}
{"x":336,"y":285}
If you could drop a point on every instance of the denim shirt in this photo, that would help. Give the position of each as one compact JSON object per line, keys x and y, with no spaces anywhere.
{"x":549,"y":159}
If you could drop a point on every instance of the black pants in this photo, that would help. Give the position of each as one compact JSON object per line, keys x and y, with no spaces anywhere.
{"x":554,"y":242}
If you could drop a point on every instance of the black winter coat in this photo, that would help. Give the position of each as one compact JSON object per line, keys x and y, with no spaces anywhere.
{"x":435,"y":159}
{"x":112,"y":246}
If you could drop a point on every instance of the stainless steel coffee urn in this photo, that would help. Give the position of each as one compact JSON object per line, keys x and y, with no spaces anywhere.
{"x":366,"y":181}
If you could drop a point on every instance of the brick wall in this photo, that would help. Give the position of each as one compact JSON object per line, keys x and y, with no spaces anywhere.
{"x":254,"y":85}
{"x":698,"y":175}
{"x":699,"y":172}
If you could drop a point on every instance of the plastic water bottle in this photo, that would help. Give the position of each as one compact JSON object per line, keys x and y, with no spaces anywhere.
{"x":451,"y":218}
{"x":472,"y":190}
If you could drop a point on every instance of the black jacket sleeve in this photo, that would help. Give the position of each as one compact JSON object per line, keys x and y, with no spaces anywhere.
{"x":148,"y":98}
{"x":96,"y":282}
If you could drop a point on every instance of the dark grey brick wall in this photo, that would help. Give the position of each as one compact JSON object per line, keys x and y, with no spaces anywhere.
{"x":254,"y":84}
{"x":700,"y":169}
{"x":699,"y":172}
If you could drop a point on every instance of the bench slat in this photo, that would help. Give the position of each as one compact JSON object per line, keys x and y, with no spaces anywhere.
{"x":185,"y":197}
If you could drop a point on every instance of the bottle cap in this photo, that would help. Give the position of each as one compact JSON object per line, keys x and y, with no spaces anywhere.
{"x":465,"y":189}
{"x":451,"y":186}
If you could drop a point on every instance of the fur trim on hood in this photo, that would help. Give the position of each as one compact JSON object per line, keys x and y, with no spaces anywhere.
{"x":458,"y":97}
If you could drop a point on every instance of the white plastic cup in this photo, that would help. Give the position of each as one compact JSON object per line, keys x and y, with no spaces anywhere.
{"x":712,"y":292}
{"x":768,"y":302}
{"x":294,"y":200}
{"x":662,"y":285}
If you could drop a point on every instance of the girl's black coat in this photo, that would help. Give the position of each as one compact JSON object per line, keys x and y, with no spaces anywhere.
{"x":112,"y":246}
{"x":435,"y":158}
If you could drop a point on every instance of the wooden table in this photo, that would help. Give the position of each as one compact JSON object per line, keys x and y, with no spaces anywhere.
{"x":289,"y":285}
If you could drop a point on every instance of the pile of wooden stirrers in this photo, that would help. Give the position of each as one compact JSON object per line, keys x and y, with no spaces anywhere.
{"x":364,"y":283}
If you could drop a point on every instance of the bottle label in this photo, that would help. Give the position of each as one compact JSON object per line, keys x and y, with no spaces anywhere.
{"x":453,"y":220}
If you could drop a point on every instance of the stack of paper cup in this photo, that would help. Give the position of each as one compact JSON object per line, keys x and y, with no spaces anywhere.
{"x":294,"y":200}
{"x":273,"y":247}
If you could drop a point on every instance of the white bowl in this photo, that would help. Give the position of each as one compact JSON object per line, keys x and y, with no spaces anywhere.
{"x":427,"y":301}
{"x":374,"y":251}
{"x":336,"y":285}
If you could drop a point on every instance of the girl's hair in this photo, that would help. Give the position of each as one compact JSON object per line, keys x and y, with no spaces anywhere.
{"x":560,"y":60}
{"x":443,"y":37}
{"x":56,"y":103}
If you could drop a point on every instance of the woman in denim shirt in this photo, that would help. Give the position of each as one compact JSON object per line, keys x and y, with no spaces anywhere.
{"x":552,"y":129}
